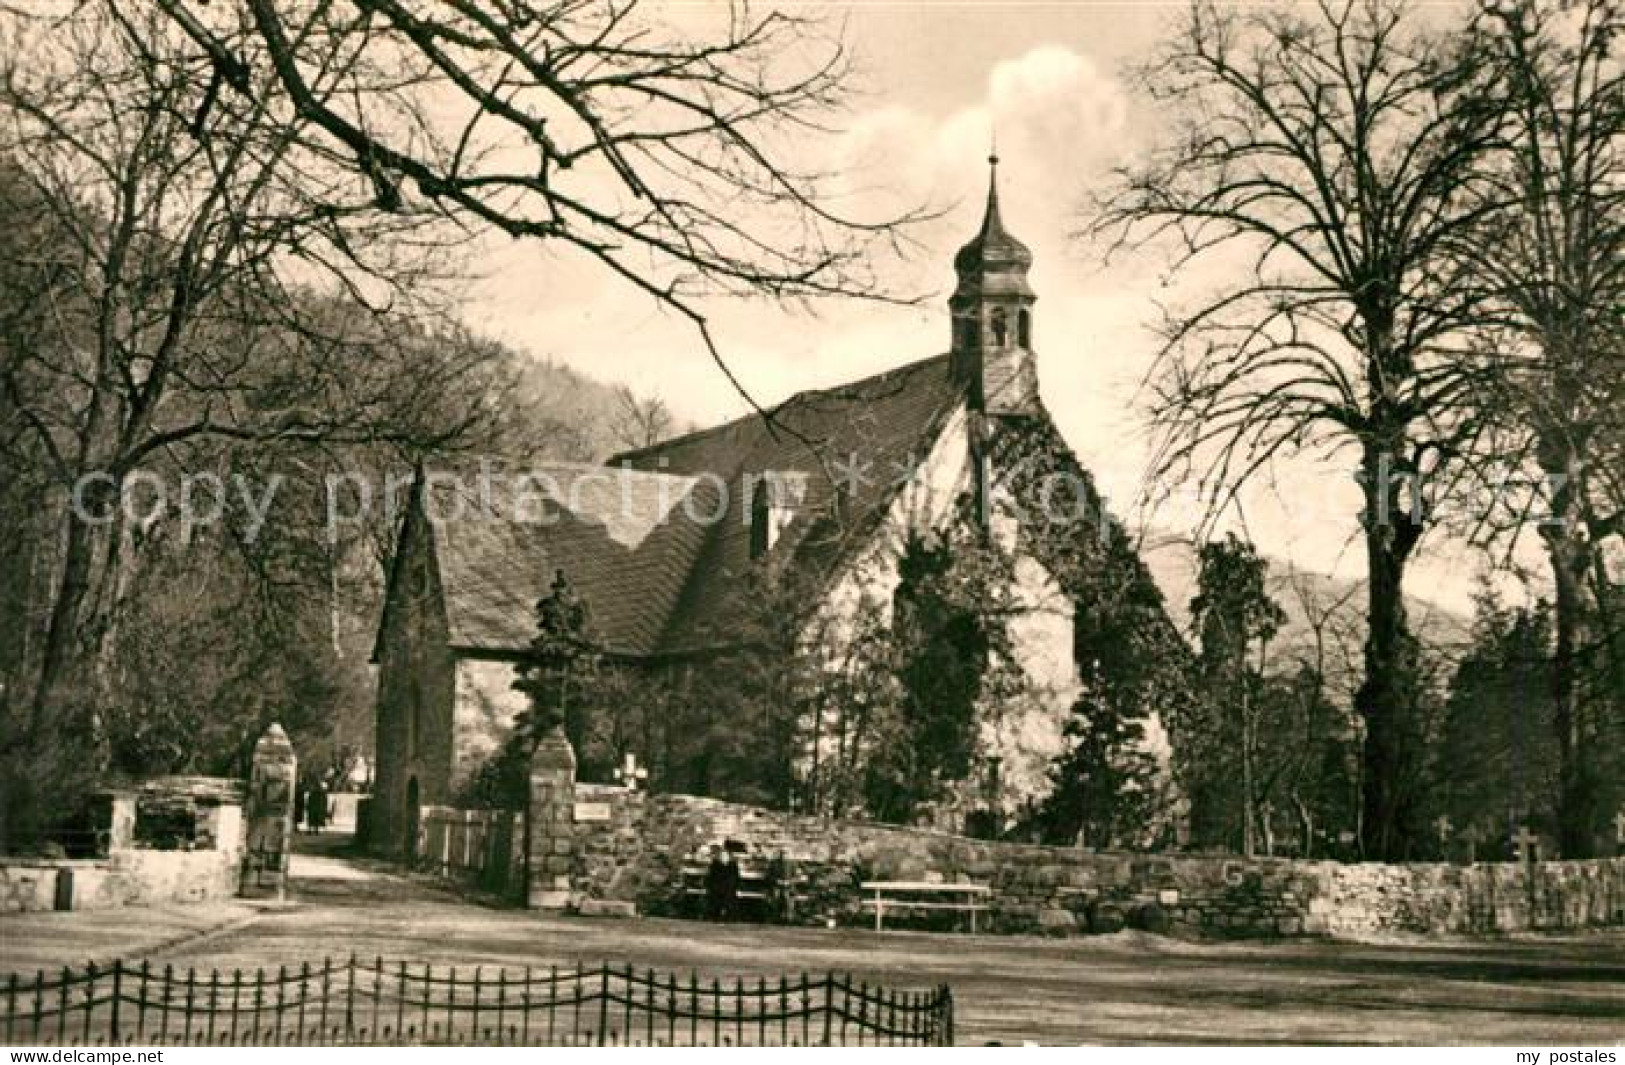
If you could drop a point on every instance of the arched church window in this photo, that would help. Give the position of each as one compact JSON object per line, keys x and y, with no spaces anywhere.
{"x":1001,"y":327}
{"x":414,"y":715}
{"x":776,"y":497}
{"x":1024,"y":328}
{"x":760,"y":521}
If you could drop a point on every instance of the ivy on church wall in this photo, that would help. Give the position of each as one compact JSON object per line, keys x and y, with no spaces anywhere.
{"x":1131,"y":660}
{"x":955,"y":665}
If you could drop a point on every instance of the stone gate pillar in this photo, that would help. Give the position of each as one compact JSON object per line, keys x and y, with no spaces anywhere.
{"x":113,"y":813}
{"x":269,"y":812}
{"x":550,"y":823}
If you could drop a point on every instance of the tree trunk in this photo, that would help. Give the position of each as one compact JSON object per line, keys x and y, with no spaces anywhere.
{"x":1248,"y":844}
{"x":1306,"y":824}
{"x":1568,"y":555}
{"x":1386,"y":700}
{"x":62,"y":634}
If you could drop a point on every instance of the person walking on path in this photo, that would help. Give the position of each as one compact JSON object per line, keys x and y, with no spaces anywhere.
{"x":316,"y":807}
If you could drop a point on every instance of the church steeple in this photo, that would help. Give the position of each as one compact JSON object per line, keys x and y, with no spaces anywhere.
{"x":992,"y":315}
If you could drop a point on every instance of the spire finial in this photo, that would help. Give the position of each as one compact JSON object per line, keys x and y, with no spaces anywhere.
{"x":993,"y":148}
{"x":993,"y":249}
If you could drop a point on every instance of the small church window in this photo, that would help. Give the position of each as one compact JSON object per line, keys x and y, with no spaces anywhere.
{"x":1024,"y":328}
{"x":414,"y":715}
{"x":761,"y":517}
{"x":775,"y":500}
{"x":1001,"y":327}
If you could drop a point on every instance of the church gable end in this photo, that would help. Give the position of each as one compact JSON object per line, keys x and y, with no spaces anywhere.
{"x":413,"y":740}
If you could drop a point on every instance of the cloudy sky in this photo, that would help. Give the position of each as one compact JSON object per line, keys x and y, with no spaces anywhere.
{"x":937,"y":79}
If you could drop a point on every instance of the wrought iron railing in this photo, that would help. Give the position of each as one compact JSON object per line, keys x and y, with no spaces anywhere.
{"x":377,"y":1003}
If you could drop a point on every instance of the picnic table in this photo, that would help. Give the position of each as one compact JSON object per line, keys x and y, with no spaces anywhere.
{"x":969,"y":899}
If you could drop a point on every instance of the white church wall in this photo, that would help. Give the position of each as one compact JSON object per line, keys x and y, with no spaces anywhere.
{"x":483,"y":714}
{"x":1026,"y":734}
{"x":926,"y":502}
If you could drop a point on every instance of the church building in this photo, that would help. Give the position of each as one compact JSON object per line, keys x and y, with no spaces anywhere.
{"x":671,"y":547}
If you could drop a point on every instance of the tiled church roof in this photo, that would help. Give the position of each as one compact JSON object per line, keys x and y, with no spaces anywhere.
{"x":864,"y":437}
{"x":625,"y":538}
{"x":658,"y":541}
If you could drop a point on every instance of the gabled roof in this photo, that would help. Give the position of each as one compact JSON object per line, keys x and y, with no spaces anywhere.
{"x":627,"y":540}
{"x":857,"y":444}
{"x":658,"y":541}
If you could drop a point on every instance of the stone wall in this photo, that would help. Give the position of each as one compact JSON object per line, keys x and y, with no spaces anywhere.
{"x":206,"y":865}
{"x":126,"y":878}
{"x":614,"y":857}
{"x":631,"y":847}
{"x":1486,"y":897}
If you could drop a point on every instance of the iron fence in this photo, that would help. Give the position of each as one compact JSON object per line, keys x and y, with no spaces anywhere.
{"x":373,"y":1003}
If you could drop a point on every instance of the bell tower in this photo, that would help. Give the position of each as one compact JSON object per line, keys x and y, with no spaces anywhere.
{"x":992,"y":309}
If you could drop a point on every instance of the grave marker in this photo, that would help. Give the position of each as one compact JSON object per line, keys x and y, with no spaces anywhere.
{"x":630,"y":774}
{"x":1528,"y":845}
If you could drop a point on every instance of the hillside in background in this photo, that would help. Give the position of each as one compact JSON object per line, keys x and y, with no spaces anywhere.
{"x":566,"y":415}
{"x":1325,"y":616}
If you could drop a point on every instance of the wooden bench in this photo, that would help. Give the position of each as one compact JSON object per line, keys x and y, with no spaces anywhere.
{"x":756,"y":887}
{"x":970,"y":899}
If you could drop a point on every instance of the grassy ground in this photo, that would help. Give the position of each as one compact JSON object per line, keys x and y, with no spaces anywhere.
{"x":1127,"y":988}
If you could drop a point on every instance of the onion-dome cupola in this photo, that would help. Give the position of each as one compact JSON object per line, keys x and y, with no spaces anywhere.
{"x":992,"y":309}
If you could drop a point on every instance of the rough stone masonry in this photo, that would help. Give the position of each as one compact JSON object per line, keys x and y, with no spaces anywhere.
{"x":634,"y":845}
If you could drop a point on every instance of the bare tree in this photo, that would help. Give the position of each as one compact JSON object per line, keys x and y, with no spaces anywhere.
{"x":1330,"y":152}
{"x":641,"y":421}
{"x":668,"y":158}
{"x":207,"y":162}
{"x":183,"y":284}
{"x":1554,"y":261}
{"x":1326,"y":660}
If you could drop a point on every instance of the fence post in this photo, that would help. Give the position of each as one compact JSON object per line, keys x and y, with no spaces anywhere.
{"x":349,"y":1002}
{"x":118,"y":991}
{"x":376,"y":1032}
{"x":400,"y":1004}
{"x":451,"y":1006}
{"x":603,"y":1003}
{"x":550,"y":813}
{"x":91,"y":976}
{"x":829,"y":1006}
